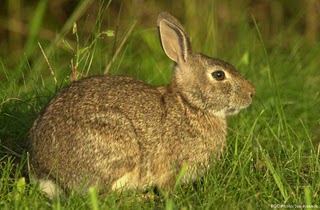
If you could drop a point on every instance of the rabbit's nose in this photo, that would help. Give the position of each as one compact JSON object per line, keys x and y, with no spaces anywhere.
{"x":251,"y":90}
{"x":251,"y":94}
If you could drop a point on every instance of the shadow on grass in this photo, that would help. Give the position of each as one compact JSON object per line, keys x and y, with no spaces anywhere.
{"x":16,"y":118}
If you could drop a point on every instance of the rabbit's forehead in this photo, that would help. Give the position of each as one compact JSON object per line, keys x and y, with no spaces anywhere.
{"x":216,"y":64}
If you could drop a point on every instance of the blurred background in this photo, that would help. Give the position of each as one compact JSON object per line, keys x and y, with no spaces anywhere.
{"x":23,"y":23}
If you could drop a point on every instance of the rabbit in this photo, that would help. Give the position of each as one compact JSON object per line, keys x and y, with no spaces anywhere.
{"x":119,"y":133}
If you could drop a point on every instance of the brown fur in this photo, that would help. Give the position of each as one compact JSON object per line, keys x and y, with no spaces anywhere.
{"x":118,"y":132}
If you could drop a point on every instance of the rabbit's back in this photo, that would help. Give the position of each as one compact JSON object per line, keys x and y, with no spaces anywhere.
{"x":98,"y":98}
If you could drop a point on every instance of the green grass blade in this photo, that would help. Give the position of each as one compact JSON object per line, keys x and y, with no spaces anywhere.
{"x":307,"y":195}
{"x":275,"y":174}
{"x":169,"y":204}
{"x":35,"y":26}
{"x":180,"y":176}
{"x":93,"y":198}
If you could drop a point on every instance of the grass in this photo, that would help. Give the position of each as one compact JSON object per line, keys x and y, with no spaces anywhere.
{"x":272,"y":156}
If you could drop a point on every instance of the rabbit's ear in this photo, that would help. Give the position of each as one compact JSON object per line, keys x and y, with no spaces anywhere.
{"x":174,"y":40}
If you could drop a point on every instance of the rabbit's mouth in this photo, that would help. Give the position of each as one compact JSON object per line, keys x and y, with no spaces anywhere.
{"x":232,"y":111}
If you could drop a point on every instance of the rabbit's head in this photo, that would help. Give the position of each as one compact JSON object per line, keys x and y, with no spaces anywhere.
{"x":205,"y":83}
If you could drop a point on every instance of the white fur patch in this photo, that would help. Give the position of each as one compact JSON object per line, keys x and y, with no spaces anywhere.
{"x":131,"y":180}
{"x":48,"y":187}
{"x":121,"y":182}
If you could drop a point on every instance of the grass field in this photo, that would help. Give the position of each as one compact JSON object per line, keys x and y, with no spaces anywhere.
{"x":273,"y":147}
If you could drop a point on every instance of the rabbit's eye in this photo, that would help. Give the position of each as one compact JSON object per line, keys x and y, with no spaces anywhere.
{"x":218,"y":75}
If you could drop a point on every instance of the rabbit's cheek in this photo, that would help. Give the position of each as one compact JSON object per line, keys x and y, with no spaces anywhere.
{"x":225,"y":92}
